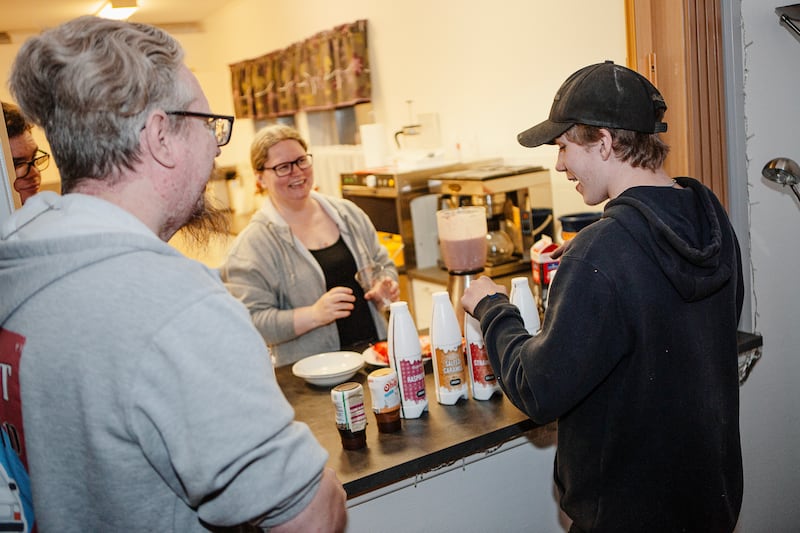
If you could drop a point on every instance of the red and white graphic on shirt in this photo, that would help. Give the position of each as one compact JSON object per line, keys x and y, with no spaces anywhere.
{"x":10,"y":399}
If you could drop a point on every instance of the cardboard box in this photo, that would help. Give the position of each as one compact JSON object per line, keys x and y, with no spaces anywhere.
{"x":544,"y":268}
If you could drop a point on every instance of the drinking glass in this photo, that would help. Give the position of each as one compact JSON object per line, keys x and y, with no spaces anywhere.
{"x":369,"y":276}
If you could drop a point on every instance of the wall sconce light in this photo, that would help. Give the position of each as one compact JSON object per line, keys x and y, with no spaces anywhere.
{"x":790,"y":17}
{"x":118,"y":9}
{"x":784,"y":171}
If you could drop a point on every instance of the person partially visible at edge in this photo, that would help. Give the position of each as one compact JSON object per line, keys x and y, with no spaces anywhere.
{"x":29,"y":161}
{"x":294,"y":265}
{"x":637,"y":354}
{"x":148,"y":399}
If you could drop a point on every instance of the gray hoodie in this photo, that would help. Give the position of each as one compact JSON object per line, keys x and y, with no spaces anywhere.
{"x":148,"y":398}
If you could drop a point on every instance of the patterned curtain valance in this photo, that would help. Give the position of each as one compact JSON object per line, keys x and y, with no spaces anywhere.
{"x":326,"y":71}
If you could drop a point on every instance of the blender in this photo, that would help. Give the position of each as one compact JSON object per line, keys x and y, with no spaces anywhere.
{"x":462,"y":241}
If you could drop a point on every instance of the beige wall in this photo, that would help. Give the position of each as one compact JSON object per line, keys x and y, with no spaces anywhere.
{"x":488,"y":73}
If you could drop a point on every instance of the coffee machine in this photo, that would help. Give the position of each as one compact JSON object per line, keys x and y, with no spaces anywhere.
{"x":504,"y":191}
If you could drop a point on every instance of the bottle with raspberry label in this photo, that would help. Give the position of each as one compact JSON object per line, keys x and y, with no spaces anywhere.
{"x":405,"y":357}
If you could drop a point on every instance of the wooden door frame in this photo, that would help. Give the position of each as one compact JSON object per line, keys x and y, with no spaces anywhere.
{"x":704,"y":121}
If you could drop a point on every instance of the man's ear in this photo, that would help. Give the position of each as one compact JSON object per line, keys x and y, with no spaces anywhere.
{"x":606,"y":144}
{"x":157,"y":139}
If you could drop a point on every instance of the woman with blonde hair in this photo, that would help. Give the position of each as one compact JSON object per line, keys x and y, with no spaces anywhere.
{"x":294,"y":265}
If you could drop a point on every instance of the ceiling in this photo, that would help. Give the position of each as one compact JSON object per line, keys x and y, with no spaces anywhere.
{"x":32,"y":16}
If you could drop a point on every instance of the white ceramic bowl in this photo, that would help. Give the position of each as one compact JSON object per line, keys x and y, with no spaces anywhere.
{"x":328,"y":369}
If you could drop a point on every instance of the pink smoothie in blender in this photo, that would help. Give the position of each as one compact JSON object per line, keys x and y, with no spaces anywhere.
{"x":462,"y":240}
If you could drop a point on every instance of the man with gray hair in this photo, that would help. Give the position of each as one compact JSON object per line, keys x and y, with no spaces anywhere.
{"x":148,"y":402}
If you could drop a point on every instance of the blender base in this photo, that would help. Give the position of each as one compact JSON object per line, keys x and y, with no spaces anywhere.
{"x":456,"y":285}
{"x":503,"y":269}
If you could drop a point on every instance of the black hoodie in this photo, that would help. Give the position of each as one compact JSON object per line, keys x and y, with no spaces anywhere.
{"x":637,"y":359}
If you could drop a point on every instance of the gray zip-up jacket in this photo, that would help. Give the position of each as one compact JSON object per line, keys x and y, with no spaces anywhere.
{"x":272,"y":273}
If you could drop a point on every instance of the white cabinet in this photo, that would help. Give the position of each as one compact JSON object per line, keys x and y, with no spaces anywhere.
{"x":509,"y":488}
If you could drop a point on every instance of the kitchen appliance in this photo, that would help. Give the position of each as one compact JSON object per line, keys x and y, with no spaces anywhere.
{"x":504,"y":191}
{"x":462,"y":238}
{"x":573,"y":223}
{"x":385,"y":194}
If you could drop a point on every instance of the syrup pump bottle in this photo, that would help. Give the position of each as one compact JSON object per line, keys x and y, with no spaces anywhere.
{"x":405,"y":357}
{"x":522,"y":297}
{"x":482,"y":379}
{"x":449,"y":370}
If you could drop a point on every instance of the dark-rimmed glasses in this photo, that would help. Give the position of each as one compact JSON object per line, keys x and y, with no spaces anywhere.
{"x":23,"y":168}
{"x":284,"y":169}
{"x":221,"y":125}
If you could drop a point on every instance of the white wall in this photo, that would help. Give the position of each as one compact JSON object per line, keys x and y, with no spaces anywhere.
{"x":771,"y":396}
{"x":488,"y":73}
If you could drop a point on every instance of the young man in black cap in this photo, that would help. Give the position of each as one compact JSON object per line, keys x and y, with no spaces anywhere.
{"x":637,"y":356}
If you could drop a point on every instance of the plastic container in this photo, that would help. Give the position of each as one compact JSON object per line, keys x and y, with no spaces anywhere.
{"x":405,"y":357}
{"x":447,"y":351}
{"x":542,"y":221}
{"x":572,"y":224}
{"x":544,"y":270}
{"x":385,"y":394}
{"x":522,"y":297}
{"x":351,"y":418}
{"x":482,"y":379}
{"x":462,"y":238}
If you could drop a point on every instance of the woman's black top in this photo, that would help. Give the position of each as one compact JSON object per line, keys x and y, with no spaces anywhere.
{"x":356,"y":331}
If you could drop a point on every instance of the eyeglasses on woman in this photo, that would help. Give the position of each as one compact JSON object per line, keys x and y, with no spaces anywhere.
{"x":284,"y":169}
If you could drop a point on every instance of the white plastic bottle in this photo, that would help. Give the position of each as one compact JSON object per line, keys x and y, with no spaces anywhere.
{"x":405,"y":357}
{"x":522,"y":297}
{"x":482,"y":378}
{"x":447,"y":350}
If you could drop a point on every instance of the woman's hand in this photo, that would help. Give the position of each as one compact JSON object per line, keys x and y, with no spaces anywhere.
{"x":335,"y":304}
{"x":385,"y":291}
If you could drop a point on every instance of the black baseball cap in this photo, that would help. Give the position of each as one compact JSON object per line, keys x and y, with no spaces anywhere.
{"x":603,"y":95}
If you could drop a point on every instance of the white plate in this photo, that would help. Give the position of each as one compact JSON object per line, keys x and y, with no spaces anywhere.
{"x":328,"y":369}
{"x":371,"y":357}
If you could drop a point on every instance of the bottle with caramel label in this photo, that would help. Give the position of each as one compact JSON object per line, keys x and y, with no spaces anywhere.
{"x":447,"y":349}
